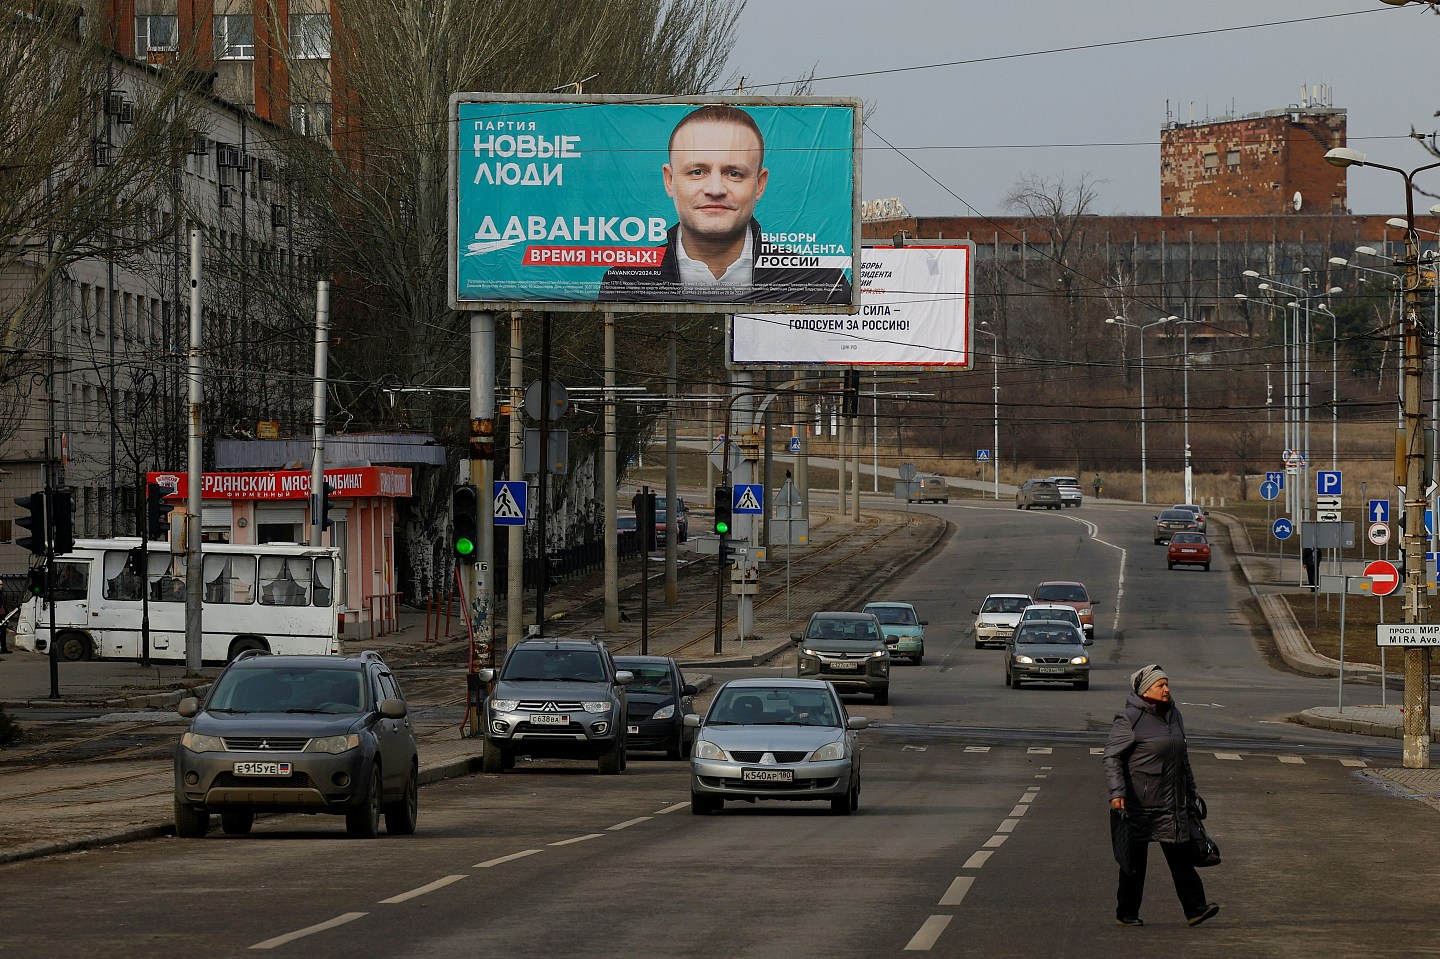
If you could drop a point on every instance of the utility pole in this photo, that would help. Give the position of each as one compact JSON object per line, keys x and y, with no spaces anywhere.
{"x":1416,"y":718}
{"x":317,"y":427}
{"x":195,"y":472}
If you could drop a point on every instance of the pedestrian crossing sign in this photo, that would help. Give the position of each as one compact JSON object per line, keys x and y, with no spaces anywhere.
{"x":748,"y":498}
{"x":510,"y":502}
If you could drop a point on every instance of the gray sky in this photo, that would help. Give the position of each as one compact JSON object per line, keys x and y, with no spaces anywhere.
{"x":977,"y":127}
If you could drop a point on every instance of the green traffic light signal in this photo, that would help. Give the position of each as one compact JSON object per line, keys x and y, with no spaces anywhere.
{"x":464,"y":546}
{"x":721,"y":526}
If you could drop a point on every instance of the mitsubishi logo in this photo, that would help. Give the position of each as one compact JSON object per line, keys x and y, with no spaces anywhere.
{"x":768,"y":759}
{"x":549,"y":708}
{"x":264,"y":744}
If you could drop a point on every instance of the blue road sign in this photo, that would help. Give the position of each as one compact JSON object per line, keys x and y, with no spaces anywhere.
{"x":794,"y":444}
{"x":748,"y":498}
{"x":1277,"y":478}
{"x":510,"y":502}
{"x":1379,"y":511}
{"x":1327,"y":483}
{"x":982,"y":456}
{"x":1269,"y":489}
{"x":1283,"y":528}
{"x":1429,"y":523}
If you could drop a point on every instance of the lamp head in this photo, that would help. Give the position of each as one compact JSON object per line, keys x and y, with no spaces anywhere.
{"x":1241,"y":296}
{"x":1252,"y":274}
{"x":1263,"y":286}
{"x":1344,"y":156}
{"x":1339,"y":261}
{"x":1367,"y":250}
{"x":1398,"y":223}
{"x":1435,"y":210}
{"x":1112,"y":319}
{"x":1335,"y":289}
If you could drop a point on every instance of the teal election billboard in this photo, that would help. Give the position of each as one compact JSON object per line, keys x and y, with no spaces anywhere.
{"x":600,"y":202}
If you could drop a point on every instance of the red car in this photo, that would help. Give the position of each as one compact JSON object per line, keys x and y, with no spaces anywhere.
{"x":1188,"y":549}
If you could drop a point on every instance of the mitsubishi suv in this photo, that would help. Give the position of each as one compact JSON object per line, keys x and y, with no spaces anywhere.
{"x":848,"y":650}
{"x":559,"y":699}
{"x":314,"y":734}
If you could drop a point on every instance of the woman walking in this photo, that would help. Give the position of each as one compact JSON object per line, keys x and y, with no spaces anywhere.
{"x":1148,"y":770}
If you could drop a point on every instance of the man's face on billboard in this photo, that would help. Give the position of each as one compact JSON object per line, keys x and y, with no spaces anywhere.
{"x":715,"y":177}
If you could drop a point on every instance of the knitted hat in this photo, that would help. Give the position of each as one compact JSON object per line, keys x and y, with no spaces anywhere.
{"x":1145,"y":677}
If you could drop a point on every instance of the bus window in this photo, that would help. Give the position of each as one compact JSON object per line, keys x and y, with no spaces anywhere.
{"x":121,"y":580}
{"x":167,"y":578}
{"x":229,"y":579}
{"x":284,"y":581}
{"x":324,"y":581}
{"x":70,"y":581}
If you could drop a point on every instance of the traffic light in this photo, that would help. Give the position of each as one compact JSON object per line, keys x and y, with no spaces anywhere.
{"x":465,"y":522}
{"x":38,"y":542}
{"x":157,"y":511}
{"x":62,"y":526}
{"x":644,"y":506}
{"x":323,"y":506}
{"x":38,"y":581}
{"x":723,"y":505}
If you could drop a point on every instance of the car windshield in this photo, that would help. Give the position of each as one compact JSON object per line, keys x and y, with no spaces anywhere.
{"x":856,"y":630}
{"x":650,"y":679}
{"x":1048,"y":636}
{"x":1066,"y":481}
{"x":1187,"y":538}
{"x":1062,"y":594}
{"x":554,"y":665}
{"x":292,"y":689}
{"x":893,"y":615}
{"x":757,"y":706}
{"x":1177,"y":515}
{"x":1005,"y":604}
{"x":1065,"y":613}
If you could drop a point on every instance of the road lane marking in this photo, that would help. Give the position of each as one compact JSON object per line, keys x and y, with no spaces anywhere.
{"x":1292,"y":760}
{"x":1008,"y":825}
{"x":339,"y":920}
{"x":1355,"y":763}
{"x":1028,"y":797}
{"x":929,"y":931}
{"x":977,"y":859}
{"x":1019,"y":810}
{"x":1032,"y":789}
{"x":977,"y":749}
{"x":1097,"y":750}
{"x":918,"y":749}
{"x":1039,"y":750}
{"x":566,"y":842}
{"x":504,"y":859}
{"x":995,"y":842}
{"x":1232,"y":757}
{"x":628,"y":823}
{"x":421,"y":890}
{"x":956,"y":893}
{"x":675,"y":808}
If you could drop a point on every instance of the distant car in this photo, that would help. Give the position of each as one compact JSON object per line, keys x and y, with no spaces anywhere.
{"x":315,"y":734}
{"x":997,"y":616}
{"x":929,"y":489}
{"x":1072,"y":594}
{"x":1201,"y":516}
{"x":682,"y":518}
{"x":626,"y":524}
{"x":1047,"y":651}
{"x":657,"y":700}
{"x":1070,"y":493}
{"x":788,"y":739}
{"x":1037,"y":492}
{"x":849,"y":650}
{"x":1058,"y":612}
{"x":904,"y":629}
{"x":1188,"y":549}
{"x":1172,"y":521}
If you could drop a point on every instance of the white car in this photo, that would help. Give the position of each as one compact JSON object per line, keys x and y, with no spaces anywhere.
{"x":1070,"y":494}
{"x":997,"y":617}
{"x":1052,"y":612}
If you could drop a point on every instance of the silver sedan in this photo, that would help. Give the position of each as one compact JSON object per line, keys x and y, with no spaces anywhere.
{"x":785,"y":739}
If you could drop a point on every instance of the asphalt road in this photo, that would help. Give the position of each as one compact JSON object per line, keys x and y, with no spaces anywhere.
{"x":981,"y":831}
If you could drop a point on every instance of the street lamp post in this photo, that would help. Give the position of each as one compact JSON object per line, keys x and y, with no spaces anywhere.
{"x":1144,"y":467}
{"x":995,"y":392}
{"x":1416,"y":717}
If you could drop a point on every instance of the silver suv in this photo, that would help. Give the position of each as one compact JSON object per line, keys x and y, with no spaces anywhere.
{"x":848,"y":650}
{"x":556,"y":698}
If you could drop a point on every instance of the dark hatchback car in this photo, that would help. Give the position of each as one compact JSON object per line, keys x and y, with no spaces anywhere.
{"x":657,"y":700}
{"x":1172,"y":521}
{"x":315,"y":734}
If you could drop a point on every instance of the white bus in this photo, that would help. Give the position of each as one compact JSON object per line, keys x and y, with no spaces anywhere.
{"x":278,"y":597}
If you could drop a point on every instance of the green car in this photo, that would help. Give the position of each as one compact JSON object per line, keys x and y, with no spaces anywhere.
{"x":904,"y":629}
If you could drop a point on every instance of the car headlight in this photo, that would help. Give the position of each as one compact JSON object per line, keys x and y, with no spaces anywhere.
{"x":1023,"y":659}
{"x":597,"y":706}
{"x":505,"y":705}
{"x":810,"y":652}
{"x":1079,"y":660}
{"x":197,"y":743}
{"x":333,"y":744}
{"x":880,"y":654}
{"x":665,"y":712}
{"x":704,"y":749}
{"x":829,"y":753}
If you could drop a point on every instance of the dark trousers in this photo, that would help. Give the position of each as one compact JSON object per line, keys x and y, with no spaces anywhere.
{"x":1187,"y":881}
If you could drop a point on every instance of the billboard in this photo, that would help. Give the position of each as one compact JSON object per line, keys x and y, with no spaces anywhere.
{"x":683,"y":205}
{"x":915,"y":312}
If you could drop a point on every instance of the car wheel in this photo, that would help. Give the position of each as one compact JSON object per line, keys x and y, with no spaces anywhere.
{"x":237,"y":823}
{"x":1207,"y":567}
{"x":1158,"y":542}
{"x":1007,"y":677}
{"x":190,"y":821}
{"x":244,"y":645}
{"x":855,"y":797}
{"x":840,"y":805}
{"x":401,"y":815}
{"x":364,"y":822}
{"x":74,"y":647}
{"x":1170,"y":565}
{"x":882,"y":698}
{"x":705,"y":805}
{"x":1083,"y":684}
{"x":918,"y":659}
{"x":609,"y":762}
{"x":1014,"y":682}
{"x":492,"y":757}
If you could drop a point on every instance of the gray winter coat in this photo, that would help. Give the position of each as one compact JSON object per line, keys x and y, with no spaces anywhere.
{"x":1147,"y":763}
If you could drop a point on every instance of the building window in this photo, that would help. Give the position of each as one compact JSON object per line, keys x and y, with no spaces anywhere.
{"x":310,"y":36}
{"x":155,"y":33}
{"x":311,"y":119}
{"x":1211,"y":162}
{"x":234,"y":37}
{"x":1232,"y":159}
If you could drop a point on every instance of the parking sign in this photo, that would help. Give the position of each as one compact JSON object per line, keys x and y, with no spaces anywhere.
{"x":1327,"y":483}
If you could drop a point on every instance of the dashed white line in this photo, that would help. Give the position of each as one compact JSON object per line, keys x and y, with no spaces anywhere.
{"x":675,"y":808}
{"x":628,"y":823}
{"x":1232,"y":757}
{"x":1097,"y":750}
{"x":995,"y":842}
{"x":977,"y":749}
{"x":977,"y":859}
{"x":421,"y":890}
{"x":504,"y":859}
{"x":339,"y":920}
{"x":1019,"y":810}
{"x":566,"y":842}
{"x":956,"y":893}
{"x":1028,"y":797}
{"x":929,"y":931}
{"x":1353,"y":763}
{"x":1292,"y":760}
{"x":1039,"y":751}
{"x":1008,"y":825}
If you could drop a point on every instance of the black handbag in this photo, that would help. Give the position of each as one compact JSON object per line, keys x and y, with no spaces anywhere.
{"x":1120,"y":838}
{"x":1204,"y":851}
